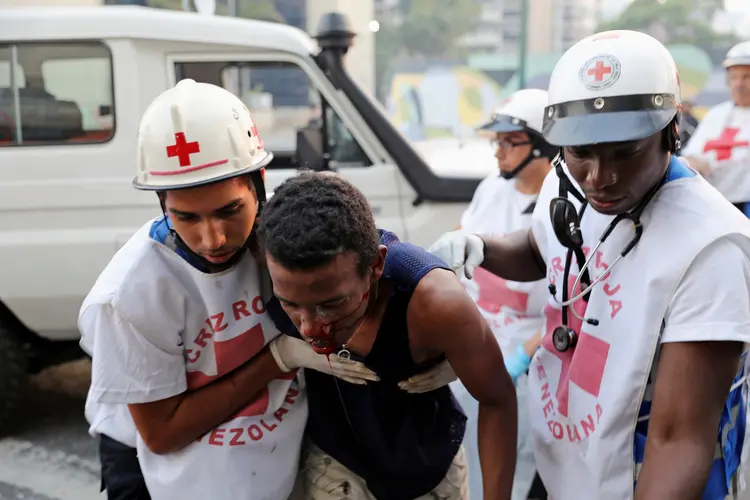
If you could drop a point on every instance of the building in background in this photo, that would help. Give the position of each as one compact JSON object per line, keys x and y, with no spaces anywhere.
{"x":491,"y":33}
{"x":553,"y":25}
{"x":388,"y":10}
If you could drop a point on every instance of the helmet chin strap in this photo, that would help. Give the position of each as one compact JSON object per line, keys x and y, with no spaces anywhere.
{"x":539,"y":149}
{"x":199,"y":261}
{"x":533,"y":155}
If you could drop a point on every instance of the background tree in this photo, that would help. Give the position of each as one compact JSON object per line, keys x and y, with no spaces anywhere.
{"x":676,"y":21}
{"x":431,"y":27}
{"x":265,"y":10}
{"x":250,"y":9}
{"x":424,"y":29}
{"x":387,"y":52}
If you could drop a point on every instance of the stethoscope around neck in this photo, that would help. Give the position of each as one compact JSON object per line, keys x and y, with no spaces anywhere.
{"x":566,"y":223}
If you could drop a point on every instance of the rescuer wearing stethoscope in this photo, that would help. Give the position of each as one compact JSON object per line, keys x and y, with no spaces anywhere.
{"x":639,"y":387}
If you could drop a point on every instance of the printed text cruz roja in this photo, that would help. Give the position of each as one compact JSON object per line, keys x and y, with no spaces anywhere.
{"x":582,"y":367}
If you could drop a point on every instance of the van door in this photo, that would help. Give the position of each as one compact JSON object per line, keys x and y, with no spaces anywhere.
{"x":61,"y":199}
{"x":286,"y":94}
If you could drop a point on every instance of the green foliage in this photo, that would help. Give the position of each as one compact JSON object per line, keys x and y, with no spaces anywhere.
{"x":387,"y":45}
{"x":431,"y":27}
{"x":264,"y":10}
{"x":682,"y":21}
{"x":249,"y":9}
{"x":165,"y":4}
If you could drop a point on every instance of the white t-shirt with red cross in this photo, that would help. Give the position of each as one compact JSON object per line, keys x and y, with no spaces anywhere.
{"x":589,"y":405}
{"x":513,"y":309}
{"x":157,"y":327}
{"x":723,"y":140}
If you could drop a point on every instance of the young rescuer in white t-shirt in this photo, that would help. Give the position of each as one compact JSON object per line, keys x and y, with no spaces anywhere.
{"x":180,"y":322}
{"x":639,"y":388}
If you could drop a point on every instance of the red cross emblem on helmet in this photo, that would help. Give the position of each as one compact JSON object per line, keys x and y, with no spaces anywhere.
{"x":182,"y":149}
{"x":600,"y":72}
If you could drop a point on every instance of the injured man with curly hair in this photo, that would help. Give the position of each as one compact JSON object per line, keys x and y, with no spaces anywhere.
{"x":356,"y":292}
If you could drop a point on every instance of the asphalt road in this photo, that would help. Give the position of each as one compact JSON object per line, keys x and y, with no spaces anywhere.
{"x":48,"y":454}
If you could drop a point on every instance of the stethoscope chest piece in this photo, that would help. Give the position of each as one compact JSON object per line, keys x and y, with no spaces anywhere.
{"x":564,"y":338}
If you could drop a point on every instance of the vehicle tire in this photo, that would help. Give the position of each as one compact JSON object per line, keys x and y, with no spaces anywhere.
{"x":13,"y":366}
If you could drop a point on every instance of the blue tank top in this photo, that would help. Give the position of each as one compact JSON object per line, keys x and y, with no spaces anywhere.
{"x":385,"y":435}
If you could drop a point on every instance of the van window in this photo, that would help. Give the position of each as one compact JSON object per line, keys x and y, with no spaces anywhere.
{"x":282,"y":100}
{"x":56,"y":93}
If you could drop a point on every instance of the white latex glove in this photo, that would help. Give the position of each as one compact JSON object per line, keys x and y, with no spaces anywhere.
{"x":291,"y":353}
{"x":434,"y":378}
{"x":460,"y":250}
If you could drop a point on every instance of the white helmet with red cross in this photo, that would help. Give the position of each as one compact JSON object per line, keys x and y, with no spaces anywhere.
{"x":739,"y":55}
{"x":610,"y":87}
{"x":195,"y":134}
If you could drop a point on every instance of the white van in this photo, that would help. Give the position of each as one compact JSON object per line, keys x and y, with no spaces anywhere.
{"x":73,"y":84}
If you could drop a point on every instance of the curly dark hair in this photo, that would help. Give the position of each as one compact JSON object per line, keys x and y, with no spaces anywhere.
{"x":313,"y":217}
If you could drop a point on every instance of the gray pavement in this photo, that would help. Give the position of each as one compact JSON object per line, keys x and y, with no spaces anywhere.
{"x":49,"y":454}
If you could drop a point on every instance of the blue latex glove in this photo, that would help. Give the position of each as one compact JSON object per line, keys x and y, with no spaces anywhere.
{"x":518,"y":363}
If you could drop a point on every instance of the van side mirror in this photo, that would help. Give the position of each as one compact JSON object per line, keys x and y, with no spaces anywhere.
{"x":310,"y":151}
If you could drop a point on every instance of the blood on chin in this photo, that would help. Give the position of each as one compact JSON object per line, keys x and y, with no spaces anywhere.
{"x":321,"y":345}
{"x":329,"y":349}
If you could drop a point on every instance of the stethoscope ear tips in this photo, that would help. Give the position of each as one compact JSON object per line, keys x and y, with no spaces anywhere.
{"x":564,"y":338}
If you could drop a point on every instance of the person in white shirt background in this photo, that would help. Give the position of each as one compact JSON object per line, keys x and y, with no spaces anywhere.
{"x":639,"y":388}
{"x":720,"y":147}
{"x":503,"y":203}
{"x":188,"y":394}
